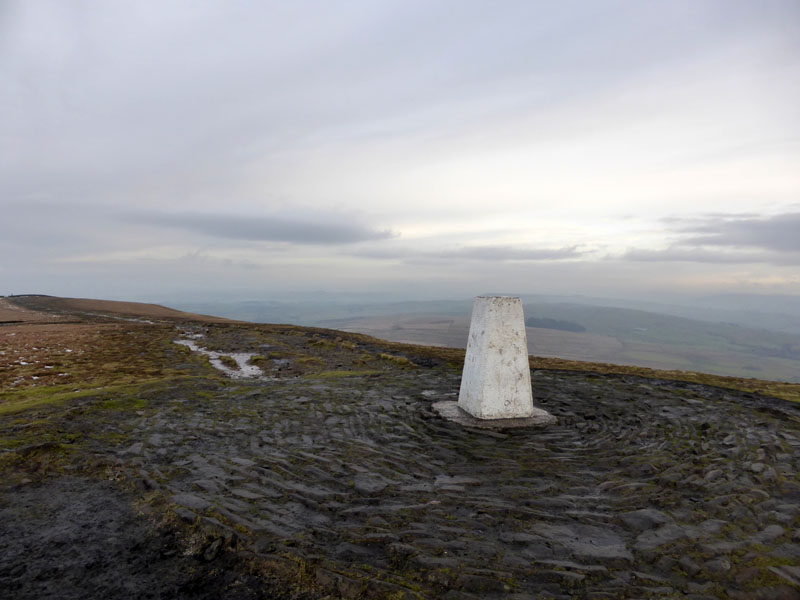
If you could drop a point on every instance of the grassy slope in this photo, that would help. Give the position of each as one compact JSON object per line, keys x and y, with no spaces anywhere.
{"x":130,"y":354}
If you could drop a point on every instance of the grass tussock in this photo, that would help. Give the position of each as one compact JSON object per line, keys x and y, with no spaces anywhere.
{"x":310,"y":361}
{"x":229,"y":362}
{"x":398,"y":360}
{"x":341,"y":374}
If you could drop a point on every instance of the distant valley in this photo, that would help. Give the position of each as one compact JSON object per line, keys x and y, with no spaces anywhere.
{"x":570,"y":330}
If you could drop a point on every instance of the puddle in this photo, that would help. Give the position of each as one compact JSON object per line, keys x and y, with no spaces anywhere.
{"x":245,"y":369}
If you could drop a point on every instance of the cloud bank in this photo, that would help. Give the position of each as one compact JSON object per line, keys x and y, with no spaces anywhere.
{"x":729,"y":239}
{"x":313,"y":230}
{"x":780,"y":233}
{"x":403,"y":143}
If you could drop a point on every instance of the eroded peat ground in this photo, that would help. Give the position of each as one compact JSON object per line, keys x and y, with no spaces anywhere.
{"x":330,"y":475}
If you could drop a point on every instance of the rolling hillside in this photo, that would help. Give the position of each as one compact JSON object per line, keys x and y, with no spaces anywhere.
{"x":617,"y":336}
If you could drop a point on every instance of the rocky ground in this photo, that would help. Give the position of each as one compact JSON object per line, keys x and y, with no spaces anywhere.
{"x":329,"y":474}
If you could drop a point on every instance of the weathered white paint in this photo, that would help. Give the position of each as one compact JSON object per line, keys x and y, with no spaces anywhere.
{"x":496,"y":382}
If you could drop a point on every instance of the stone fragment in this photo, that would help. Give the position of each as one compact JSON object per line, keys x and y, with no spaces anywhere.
{"x":711,"y":526}
{"x":185,"y":515}
{"x":401,"y":551}
{"x":788,"y":572}
{"x":573,"y":566}
{"x":588,"y":542}
{"x":769,"y":534}
{"x":649,"y":577}
{"x":688,"y":565}
{"x":191,"y":501}
{"x":455,"y":480}
{"x":652,"y":539}
{"x":367,"y":485}
{"x":787,"y":551}
{"x":207,"y":485}
{"x":567,"y":577}
{"x":246,"y":494}
{"x":769,"y":474}
{"x":212,"y":550}
{"x":135,"y":448}
{"x":645,"y":518}
{"x":480,"y":584}
{"x":718,"y":566}
{"x":726,"y":547}
{"x":518,"y":537}
{"x":422,"y":561}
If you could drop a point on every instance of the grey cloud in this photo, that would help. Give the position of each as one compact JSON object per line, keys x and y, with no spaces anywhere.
{"x":703,"y":255}
{"x":319,"y":231}
{"x":729,"y":239}
{"x":487,"y":253}
{"x":780,"y":233}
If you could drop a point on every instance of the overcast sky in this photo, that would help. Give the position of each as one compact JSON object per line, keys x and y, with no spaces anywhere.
{"x":153,"y":149}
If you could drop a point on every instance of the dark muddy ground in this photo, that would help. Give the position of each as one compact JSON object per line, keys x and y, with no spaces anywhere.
{"x":76,"y":538}
{"x":340,"y":480}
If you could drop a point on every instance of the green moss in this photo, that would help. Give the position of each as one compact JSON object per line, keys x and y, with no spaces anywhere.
{"x":58,"y":395}
{"x":40,"y":397}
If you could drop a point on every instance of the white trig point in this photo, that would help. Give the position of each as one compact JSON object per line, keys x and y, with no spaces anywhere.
{"x":496,"y":382}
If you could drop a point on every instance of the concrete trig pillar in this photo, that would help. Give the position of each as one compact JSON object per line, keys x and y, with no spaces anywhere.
{"x":496,"y":382}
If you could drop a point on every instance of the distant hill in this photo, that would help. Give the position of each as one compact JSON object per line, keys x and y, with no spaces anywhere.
{"x":40,"y":304}
{"x":643,"y":326}
{"x":612,"y":335}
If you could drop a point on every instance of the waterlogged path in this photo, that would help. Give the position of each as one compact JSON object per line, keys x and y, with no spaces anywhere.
{"x":245,"y":368}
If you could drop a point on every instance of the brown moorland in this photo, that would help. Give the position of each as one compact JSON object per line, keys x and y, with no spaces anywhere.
{"x":44,"y":305}
{"x":131,"y":466}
